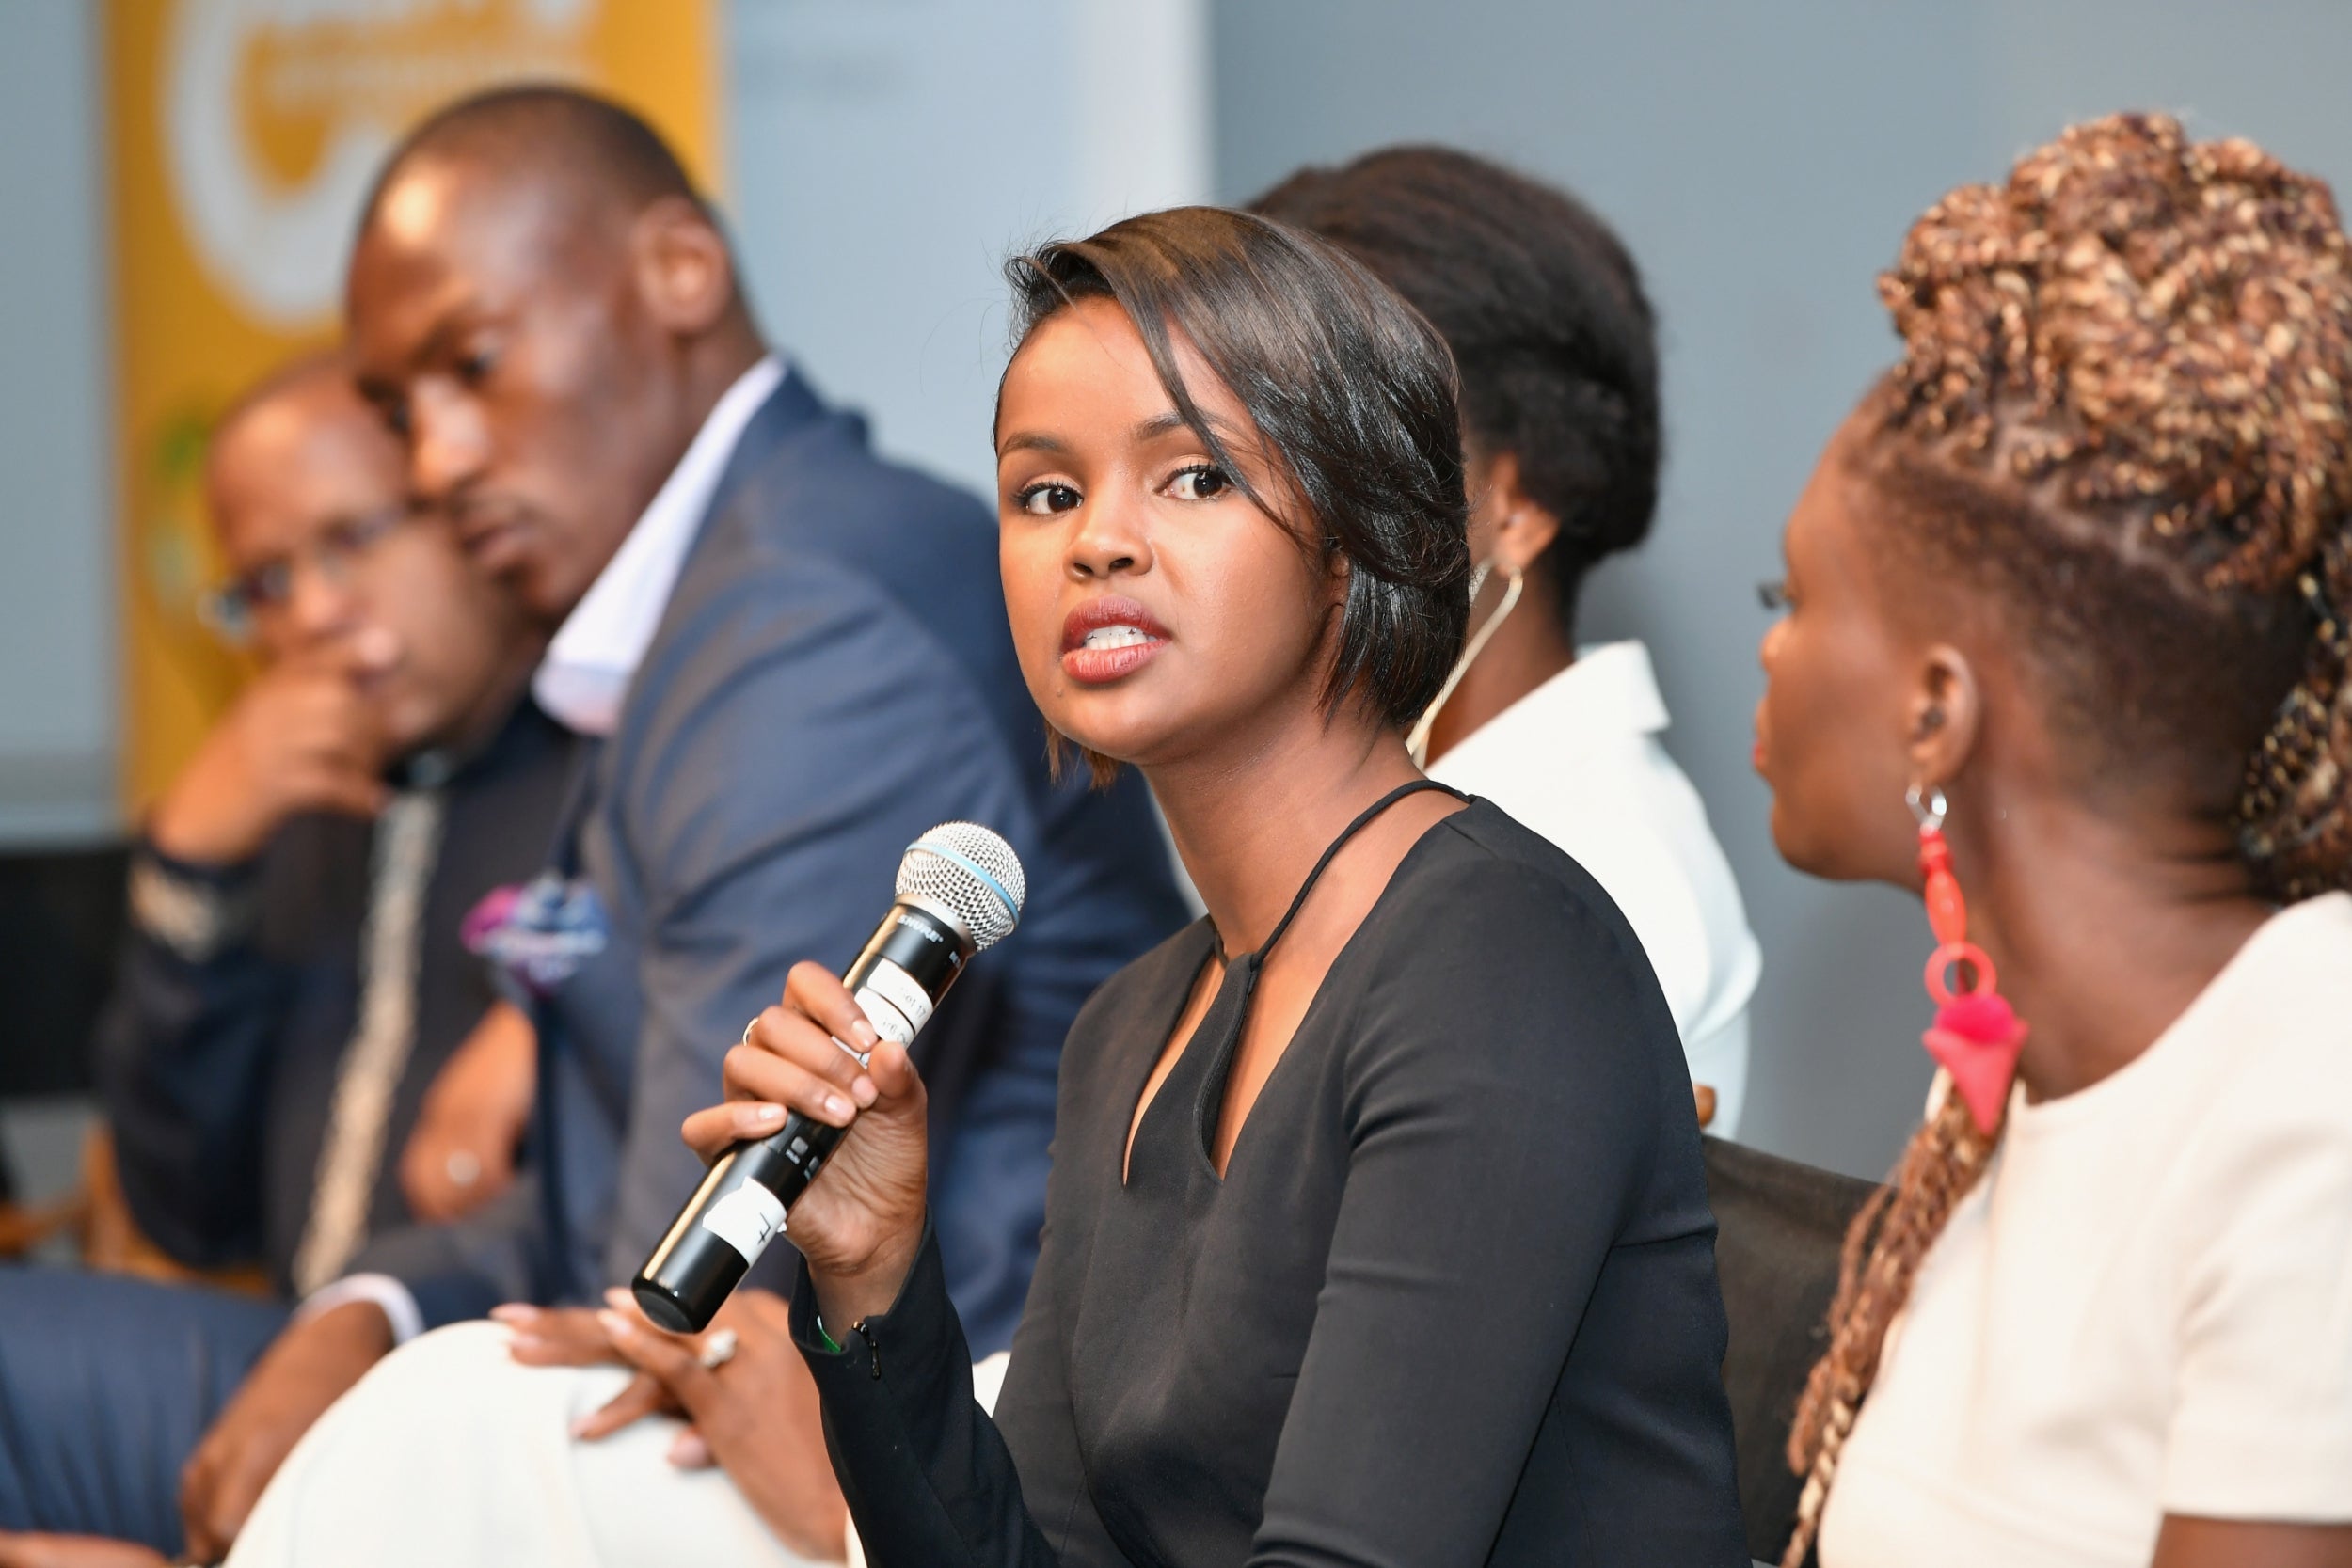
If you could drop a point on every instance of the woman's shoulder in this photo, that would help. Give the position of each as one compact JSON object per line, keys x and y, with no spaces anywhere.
{"x":1489,"y":935}
{"x":2252,"y":1091}
{"x":2274,"y":1031}
{"x":1481,"y":868}
{"x":1482,"y":901}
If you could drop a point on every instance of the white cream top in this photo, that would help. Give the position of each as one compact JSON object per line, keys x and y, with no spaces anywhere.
{"x":2145,"y":1308}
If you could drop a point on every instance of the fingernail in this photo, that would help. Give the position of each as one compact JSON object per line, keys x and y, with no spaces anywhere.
{"x":865,"y":1033}
{"x":619,"y":1300}
{"x":864,"y":1091}
{"x":688,"y":1450}
{"x":514,"y":1312}
{"x":767,"y":1116}
{"x":614,"y":1325}
{"x":835,"y":1105}
{"x":579,"y":1426}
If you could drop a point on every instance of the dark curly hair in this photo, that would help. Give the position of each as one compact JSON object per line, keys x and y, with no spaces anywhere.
{"x":1352,"y":392}
{"x":2124,"y":410}
{"x":1544,"y":310}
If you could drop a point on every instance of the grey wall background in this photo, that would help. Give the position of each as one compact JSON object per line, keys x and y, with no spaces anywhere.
{"x":1763,"y":162}
{"x":56,"y":540}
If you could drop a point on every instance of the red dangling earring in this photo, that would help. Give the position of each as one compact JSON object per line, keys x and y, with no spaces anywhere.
{"x":1977,"y":1034}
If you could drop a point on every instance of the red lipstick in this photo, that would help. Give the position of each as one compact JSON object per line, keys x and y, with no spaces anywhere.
{"x":1108,"y":639}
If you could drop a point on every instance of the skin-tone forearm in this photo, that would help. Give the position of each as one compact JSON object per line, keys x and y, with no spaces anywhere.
{"x":73,"y":1551}
{"x":2187,"y":1542}
{"x":310,"y":1365}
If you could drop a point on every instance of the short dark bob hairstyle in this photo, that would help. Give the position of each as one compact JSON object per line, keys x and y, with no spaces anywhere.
{"x":1351,"y":390}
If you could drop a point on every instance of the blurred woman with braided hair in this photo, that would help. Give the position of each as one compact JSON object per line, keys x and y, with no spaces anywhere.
{"x":2065,"y":650}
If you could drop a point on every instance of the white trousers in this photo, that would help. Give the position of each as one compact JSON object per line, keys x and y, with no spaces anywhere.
{"x":449,"y":1453}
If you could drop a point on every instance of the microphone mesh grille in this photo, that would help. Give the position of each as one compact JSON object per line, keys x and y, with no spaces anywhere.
{"x":973,"y":874}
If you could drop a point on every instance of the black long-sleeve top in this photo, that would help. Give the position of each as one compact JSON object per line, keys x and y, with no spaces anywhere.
{"x":1453,"y":1302}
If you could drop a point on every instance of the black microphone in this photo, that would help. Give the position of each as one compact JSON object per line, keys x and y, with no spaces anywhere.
{"x":960,"y":889}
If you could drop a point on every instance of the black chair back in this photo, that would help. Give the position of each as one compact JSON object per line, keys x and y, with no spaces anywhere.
{"x":1779,"y":1226}
{"x":61,"y":916}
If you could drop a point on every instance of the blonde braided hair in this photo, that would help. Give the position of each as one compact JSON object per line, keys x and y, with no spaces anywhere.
{"x":2134,"y":357}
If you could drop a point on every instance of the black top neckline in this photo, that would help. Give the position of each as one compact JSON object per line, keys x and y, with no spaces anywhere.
{"x":1202,"y":1071}
{"x":1491,"y":1107}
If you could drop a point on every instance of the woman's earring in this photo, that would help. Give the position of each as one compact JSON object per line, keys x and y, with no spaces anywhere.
{"x":1977,"y":1034}
{"x":1417,"y":743}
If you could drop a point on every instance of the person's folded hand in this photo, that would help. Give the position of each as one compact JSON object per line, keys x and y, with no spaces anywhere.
{"x":753,"y":1409}
{"x":461,"y":1153}
{"x":575,"y":1337}
{"x":555,"y":1335}
{"x":306,"y":735}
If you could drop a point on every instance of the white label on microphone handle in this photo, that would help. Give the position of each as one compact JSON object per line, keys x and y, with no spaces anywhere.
{"x":887,"y":1021}
{"x":897,"y":988}
{"x":747,"y":1219}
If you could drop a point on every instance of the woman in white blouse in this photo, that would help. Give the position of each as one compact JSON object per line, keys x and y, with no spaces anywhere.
{"x":1558,"y":359}
{"x":2066,"y":650}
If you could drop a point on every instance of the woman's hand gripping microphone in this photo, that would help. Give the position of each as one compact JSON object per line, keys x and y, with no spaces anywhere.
{"x":859,"y":1227}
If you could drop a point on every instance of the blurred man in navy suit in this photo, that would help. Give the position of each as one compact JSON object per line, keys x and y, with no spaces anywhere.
{"x":789,"y":657}
{"x":293,"y":982}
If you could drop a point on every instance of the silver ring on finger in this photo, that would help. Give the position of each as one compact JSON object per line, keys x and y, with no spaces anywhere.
{"x":718,"y":1350}
{"x":748,"y":1028}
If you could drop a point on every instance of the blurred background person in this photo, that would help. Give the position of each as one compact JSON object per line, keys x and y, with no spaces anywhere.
{"x":293,"y":978}
{"x":2066,"y":647}
{"x":1557,"y":353}
{"x":789,"y":657}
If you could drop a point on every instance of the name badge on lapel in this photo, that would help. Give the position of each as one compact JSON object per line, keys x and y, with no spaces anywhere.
{"x":535,"y":936}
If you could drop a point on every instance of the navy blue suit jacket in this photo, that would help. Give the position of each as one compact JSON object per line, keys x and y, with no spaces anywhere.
{"x":833,"y":675}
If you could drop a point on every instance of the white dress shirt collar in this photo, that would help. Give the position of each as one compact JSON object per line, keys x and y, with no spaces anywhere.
{"x":595,"y":652}
{"x":1610,"y":690}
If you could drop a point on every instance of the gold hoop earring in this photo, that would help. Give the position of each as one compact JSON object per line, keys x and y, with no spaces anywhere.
{"x":1417,"y":743}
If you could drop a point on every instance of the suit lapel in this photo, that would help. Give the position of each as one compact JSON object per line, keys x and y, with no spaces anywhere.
{"x":790,"y":409}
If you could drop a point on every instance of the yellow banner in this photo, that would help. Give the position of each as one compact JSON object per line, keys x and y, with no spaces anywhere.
{"x":243,"y":137}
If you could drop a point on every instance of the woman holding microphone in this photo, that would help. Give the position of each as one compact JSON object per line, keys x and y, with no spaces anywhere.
{"x":1376,"y":1232}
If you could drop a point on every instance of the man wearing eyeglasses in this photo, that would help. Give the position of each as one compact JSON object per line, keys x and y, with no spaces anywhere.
{"x":294,"y":979}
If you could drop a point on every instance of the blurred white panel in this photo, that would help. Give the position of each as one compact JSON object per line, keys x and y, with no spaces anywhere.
{"x":1140,"y":68}
{"x":887,"y":156}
